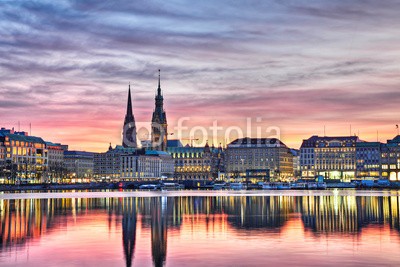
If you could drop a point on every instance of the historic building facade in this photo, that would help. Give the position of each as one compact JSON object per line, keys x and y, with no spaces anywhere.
{"x":79,"y":165}
{"x":159,"y":126}
{"x":197,"y":163}
{"x":152,"y":165}
{"x":107,"y":165}
{"x":331,"y":157}
{"x":368,"y":160}
{"x":25,"y":157}
{"x":256,"y":159}
{"x":56,"y":169}
{"x":390,"y":159}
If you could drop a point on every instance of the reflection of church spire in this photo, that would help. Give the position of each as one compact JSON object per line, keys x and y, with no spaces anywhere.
{"x":129,"y":229}
{"x":158,"y":231}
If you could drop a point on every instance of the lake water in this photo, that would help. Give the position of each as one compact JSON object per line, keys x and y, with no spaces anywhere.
{"x":293,"y":228}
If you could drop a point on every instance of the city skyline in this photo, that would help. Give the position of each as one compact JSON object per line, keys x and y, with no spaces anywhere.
{"x":299,"y":66}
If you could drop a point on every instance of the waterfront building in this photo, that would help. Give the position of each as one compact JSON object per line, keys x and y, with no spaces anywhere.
{"x":25,"y":157}
{"x":148,"y":165}
{"x":107,"y":165}
{"x":390,"y":159}
{"x":129,"y":130}
{"x":296,"y":163}
{"x":331,"y":157}
{"x":197,"y":163}
{"x":368,"y":160}
{"x":257,"y":159}
{"x":2,"y":162}
{"x":79,"y":165}
{"x":159,"y":126}
{"x":56,"y":169}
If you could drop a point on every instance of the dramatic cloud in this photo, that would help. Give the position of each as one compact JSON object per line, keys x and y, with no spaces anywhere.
{"x":299,"y":65}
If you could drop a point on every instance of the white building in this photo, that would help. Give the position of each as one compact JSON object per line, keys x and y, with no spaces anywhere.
{"x":152,"y":165}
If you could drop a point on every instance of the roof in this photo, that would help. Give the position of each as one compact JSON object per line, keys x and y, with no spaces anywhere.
{"x":247,"y":142}
{"x":186,"y":149}
{"x":174,"y":143}
{"x":312,"y":141}
{"x":156,"y":153}
{"x":394,"y":140}
{"x":78,"y":153}
{"x":368,"y":144}
{"x":24,"y":138}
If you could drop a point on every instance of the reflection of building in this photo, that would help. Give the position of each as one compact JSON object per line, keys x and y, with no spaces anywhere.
{"x":197,"y":163}
{"x":368,"y":160}
{"x":252,"y":155}
{"x":331,"y":157}
{"x":150,"y":165}
{"x":159,"y":126}
{"x":159,"y":230}
{"x":391,"y":159}
{"x":79,"y":165}
{"x":129,"y":228}
{"x":25,"y":157}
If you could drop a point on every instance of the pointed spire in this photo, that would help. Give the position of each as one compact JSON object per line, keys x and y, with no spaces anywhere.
{"x":159,"y":83}
{"x":129,"y":104}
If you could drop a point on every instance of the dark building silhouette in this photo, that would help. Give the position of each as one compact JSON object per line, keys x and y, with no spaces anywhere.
{"x":159,"y":131}
{"x":129,"y":130}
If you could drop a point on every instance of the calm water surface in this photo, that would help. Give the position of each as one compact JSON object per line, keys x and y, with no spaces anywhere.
{"x":313,"y":230}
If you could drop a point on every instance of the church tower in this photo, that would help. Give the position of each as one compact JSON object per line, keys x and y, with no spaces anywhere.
{"x":129,"y":130}
{"x":159,"y":124}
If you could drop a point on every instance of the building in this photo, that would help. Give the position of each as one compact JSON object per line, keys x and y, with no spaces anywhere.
{"x":296,"y":162}
{"x":159,"y":126}
{"x":56,"y":169}
{"x":152,"y":165}
{"x":129,"y":130}
{"x":107,"y":165}
{"x":196,"y":163}
{"x":25,"y":157}
{"x":79,"y":165}
{"x":390,"y":159}
{"x":258,"y":159}
{"x":368,"y":160}
{"x":331,"y":157}
{"x":2,"y":163}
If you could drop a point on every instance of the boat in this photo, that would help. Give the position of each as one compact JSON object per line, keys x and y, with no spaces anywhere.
{"x":283,"y":186}
{"x":220,"y":186}
{"x":171,"y":186}
{"x":236,"y":186}
{"x":267,"y":186}
{"x":312,"y":185}
{"x":149,"y":187}
{"x":299,"y":186}
{"x":321,"y":185}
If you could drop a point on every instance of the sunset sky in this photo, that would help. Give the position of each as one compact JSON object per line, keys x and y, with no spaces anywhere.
{"x":298,"y":65}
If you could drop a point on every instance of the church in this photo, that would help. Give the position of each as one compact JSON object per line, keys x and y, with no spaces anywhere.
{"x":159,"y":131}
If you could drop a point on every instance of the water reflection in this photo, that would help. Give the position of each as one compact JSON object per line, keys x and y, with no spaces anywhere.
{"x":23,"y":221}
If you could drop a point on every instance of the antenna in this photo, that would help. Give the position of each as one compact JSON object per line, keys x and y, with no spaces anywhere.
{"x":30,"y":129}
{"x":377,"y":136}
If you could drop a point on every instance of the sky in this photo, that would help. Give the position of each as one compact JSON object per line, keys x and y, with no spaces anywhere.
{"x":298,"y":66}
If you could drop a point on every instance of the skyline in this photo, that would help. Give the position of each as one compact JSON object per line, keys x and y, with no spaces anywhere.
{"x":299,"y":65}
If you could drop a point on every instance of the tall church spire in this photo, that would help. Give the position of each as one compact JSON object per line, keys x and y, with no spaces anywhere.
{"x":159,"y":83}
{"x":159,"y":121}
{"x":129,"y":130}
